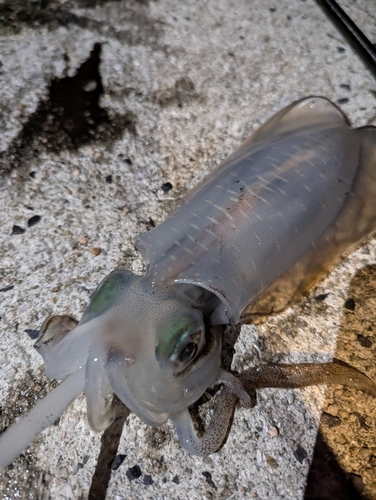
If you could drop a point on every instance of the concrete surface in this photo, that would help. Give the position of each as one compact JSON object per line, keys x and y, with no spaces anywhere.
{"x":88,"y":139}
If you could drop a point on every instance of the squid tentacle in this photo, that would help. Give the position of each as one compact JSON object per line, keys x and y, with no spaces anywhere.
{"x":216,"y":432}
{"x":283,"y":376}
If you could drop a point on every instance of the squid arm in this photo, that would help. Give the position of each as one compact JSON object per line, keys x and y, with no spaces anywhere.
{"x":282,"y":376}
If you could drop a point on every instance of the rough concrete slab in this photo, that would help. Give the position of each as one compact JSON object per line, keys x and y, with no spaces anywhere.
{"x":183,"y":84}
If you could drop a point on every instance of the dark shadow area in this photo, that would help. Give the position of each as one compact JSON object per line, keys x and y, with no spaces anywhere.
{"x":108,"y":460}
{"x":70,"y":117}
{"x":344,"y":462}
{"x":15,"y":14}
{"x":326,"y":479}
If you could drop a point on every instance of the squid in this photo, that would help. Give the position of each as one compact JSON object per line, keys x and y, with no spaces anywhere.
{"x":251,"y":238}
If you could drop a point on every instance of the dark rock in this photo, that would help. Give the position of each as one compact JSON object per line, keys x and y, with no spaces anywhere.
{"x":349,"y":304}
{"x":166,"y":187}
{"x":300,"y":453}
{"x":119,"y":459}
{"x":321,"y":297}
{"x":133,"y":472}
{"x":34,"y":220}
{"x":364,"y":341}
{"x":209,"y":479}
{"x":148,"y":480}
{"x":18,"y":230}
{"x":33,"y":334}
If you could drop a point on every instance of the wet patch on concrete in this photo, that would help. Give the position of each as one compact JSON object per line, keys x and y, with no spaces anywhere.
{"x":16,"y":14}
{"x":70,"y":117}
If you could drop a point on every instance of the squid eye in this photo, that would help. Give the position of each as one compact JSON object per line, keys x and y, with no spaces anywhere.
{"x":181,"y":342}
{"x":188,"y":353}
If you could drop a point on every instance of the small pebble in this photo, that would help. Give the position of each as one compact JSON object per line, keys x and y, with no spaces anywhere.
{"x":33,"y":334}
{"x":34,"y":220}
{"x":166,"y":187}
{"x":290,"y":398}
{"x":300,"y":453}
{"x":119,"y":459}
{"x":364,"y":341}
{"x":273,"y":432}
{"x":83,"y":241}
{"x":90,"y":86}
{"x":18,"y":230}
{"x":349,"y":304}
{"x":95,"y":251}
{"x":272,"y":462}
{"x":209,"y":479}
{"x":148,"y":480}
{"x":133,"y":472}
{"x":333,"y":410}
{"x":321,"y":297}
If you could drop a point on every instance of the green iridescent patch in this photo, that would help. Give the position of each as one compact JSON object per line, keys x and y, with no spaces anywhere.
{"x":105,"y":295}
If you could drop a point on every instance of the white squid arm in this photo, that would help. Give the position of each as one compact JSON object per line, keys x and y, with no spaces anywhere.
{"x":19,"y":435}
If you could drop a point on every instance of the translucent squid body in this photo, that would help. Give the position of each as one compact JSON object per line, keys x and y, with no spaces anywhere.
{"x":251,"y":238}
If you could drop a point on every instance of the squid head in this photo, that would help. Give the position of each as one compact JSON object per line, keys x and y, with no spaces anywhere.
{"x":147,"y":344}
